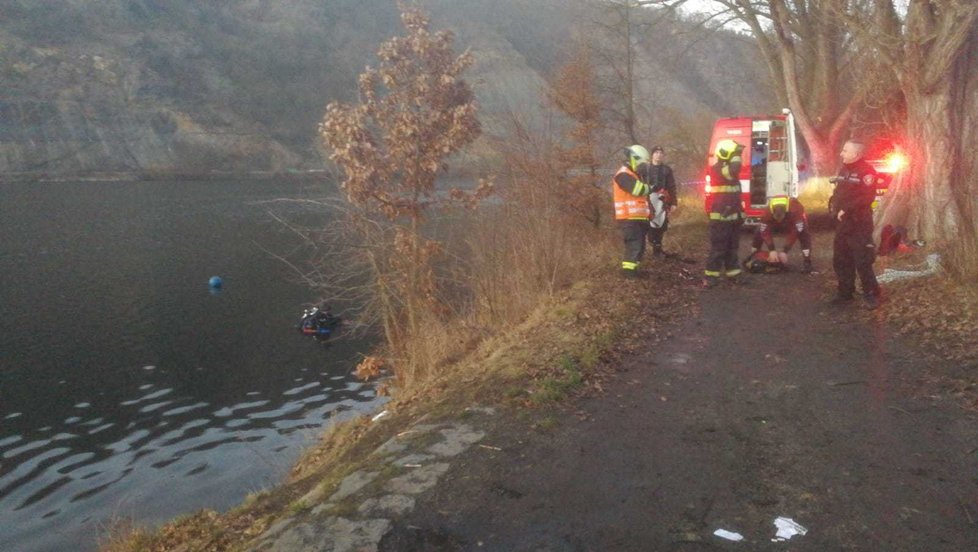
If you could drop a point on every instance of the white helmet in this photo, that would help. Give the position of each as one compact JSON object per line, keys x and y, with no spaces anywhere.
{"x":637,"y":155}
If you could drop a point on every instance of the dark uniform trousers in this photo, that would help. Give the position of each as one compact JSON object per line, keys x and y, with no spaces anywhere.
{"x":853,"y":253}
{"x":724,"y":242}
{"x":633,"y":232}
{"x":726,"y":218}
{"x":852,"y":250}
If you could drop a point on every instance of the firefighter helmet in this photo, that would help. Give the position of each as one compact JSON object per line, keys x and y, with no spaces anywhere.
{"x":779,"y":207}
{"x":637,"y":155}
{"x":727,"y":148}
{"x":756,"y":266}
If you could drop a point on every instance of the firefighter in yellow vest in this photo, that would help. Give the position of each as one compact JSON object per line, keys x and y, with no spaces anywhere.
{"x":631,"y":195}
{"x":726,"y":214}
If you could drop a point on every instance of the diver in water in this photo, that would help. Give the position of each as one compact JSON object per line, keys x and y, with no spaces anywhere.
{"x":318,"y":321}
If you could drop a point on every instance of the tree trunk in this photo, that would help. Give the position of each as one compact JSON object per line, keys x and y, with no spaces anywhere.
{"x":629,"y":77}
{"x":824,"y":154}
{"x":969,"y":138}
{"x":967,"y":264}
{"x":935,"y":199}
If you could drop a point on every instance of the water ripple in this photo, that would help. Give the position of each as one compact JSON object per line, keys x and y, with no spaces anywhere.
{"x":150,"y":403}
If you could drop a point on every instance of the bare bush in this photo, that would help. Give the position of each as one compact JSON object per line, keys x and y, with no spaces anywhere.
{"x":415,"y":111}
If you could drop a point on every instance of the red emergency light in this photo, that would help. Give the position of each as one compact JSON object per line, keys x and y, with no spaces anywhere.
{"x":894,"y":162}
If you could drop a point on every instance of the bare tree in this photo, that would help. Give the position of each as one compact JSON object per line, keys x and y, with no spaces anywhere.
{"x":415,"y":110}
{"x":811,"y":59}
{"x":580,"y":155}
{"x":621,"y":24}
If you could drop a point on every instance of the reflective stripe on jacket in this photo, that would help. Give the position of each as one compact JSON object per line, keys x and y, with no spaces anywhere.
{"x":855,"y":191}
{"x":630,"y":204}
{"x":727,"y":205}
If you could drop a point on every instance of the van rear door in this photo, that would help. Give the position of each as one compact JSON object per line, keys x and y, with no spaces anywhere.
{"x":772,"y":161}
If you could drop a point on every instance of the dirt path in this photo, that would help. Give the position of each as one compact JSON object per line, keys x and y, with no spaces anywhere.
{"x":766,"y":402}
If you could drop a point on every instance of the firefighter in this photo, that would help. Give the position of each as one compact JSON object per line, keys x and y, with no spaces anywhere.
{"x":726,"y":214}
{"x":632,"y":206}
{"x":853,"y":251}
{"x":662,"y":199}
{"x":787,"y":215}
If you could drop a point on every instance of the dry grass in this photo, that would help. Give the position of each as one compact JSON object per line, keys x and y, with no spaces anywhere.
{"x":688,"y":225}
{"x":500,"y":263}
{"x":814,"y":195}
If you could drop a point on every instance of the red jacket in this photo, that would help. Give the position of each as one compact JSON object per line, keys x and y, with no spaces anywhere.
{"x":794,"y":224}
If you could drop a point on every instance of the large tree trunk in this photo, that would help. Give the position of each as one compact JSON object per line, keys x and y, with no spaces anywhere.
{"x":923,"y":199}
{"x":970,"y":136}
{"x":935,"y":199}
{"x":823,"y":153}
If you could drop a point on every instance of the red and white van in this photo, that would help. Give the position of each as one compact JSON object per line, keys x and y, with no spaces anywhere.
{"x":770,"y":159}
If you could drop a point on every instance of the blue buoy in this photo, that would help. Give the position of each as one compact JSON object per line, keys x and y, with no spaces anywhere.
{"x":215,"y":282}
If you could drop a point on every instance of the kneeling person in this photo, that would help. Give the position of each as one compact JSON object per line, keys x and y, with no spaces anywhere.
{"x":786,"y":215}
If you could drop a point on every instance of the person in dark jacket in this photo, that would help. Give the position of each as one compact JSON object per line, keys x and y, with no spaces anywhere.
{"x":726,"y":214}
{"x":853,"y":251}
{"x":787,"y":215}
{"x":662,"y":199}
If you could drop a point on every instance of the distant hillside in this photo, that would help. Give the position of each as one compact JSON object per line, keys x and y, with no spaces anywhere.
{"x":240,"y":85}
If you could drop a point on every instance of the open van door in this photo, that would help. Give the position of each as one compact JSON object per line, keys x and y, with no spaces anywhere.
{"x":773,"y":160}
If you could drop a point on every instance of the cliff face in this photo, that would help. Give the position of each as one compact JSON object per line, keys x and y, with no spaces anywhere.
{"x":77,"y":112}
{"x":171,"y":85}
{"x":239,"y":85}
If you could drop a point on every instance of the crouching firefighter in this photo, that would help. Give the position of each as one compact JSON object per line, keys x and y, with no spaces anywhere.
{"x":632,"y":207}
{"x":786,"y":215}
{"x":726,"y":214}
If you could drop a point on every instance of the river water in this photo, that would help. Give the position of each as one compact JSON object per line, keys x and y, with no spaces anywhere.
{"x":129,"y":390}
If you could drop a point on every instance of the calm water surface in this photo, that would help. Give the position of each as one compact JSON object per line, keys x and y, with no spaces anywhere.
{"x":127,"y":388}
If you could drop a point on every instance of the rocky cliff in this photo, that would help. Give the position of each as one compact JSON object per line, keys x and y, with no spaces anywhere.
{"x":164,"y":86}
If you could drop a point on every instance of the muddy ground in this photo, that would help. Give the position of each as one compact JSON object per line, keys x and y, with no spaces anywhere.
{"x":764,"y":402}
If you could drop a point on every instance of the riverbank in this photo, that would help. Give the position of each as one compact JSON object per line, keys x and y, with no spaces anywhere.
{"x":157,"y":176}
{"x":569,"y":368}
{"x":317,"y":174}
{"x":563,"y":348}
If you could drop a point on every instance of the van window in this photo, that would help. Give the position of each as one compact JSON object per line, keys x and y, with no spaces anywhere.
{"x":778,"y":141}
{"x":758,"y":167}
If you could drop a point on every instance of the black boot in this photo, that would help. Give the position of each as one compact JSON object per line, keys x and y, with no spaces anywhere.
{"x":739,"y":280}
{"x":841,"y":299}
{"x":806,"y":267}
{"x":873,"y":299}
